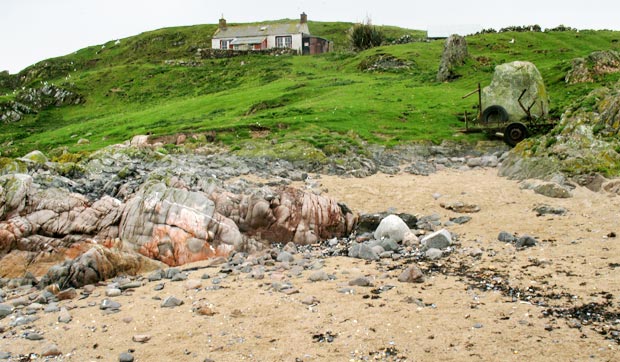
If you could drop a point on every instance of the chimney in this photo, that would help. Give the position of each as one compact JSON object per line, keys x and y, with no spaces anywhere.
{"x":304,"y":18}
{"x":222,"y":24}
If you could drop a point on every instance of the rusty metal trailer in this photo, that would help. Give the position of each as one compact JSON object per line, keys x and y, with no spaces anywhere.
{"x":494,"y":121}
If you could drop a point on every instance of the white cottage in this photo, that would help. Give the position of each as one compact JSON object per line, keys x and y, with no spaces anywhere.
{"x":295,"y":36}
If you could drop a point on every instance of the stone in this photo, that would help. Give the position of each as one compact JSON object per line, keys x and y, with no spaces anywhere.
{"x":506,"y":237}
{"x":390,"y":245}
{"x":125,"y":357}
{"x":412,"y":274}
{"x":109,"y":304}
{"x":130,"y":285}
{"x":141,"y":338}
{"x":309,"y":300}
{"x":36,"y":157}
{"x":370,"y":222}
{"x":112,"y":292}
{"x":525,"y":241}
{"x":509,"y":81}
{"x":549,"y":210}
{"x":33,"y":336}
{"x":438,"y":240}
{"x":5,"y":355}
{"x":454,"y":54}
{"x":285,"y":256}
{"x":392,"y":227}
{"x":460,"y":220}
{"x":193,"y":284}
{"x":5,"y":310}
{"x":433,"y":254}
{"x":171,"y":302}
{"x":51,"y":351}
{"x":596,"y":64}
{"x":64,"y":316}
{"x":360,"y":282}
{"x":553,"y":190}
{"x":318,"y":275}
{"x":460,"y":207}
{"x":156,"y":275}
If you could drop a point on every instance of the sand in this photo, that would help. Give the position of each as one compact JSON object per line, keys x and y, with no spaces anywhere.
{"x":463,"y":311}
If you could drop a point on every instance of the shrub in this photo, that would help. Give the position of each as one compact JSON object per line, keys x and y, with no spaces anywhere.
{"x":365,"y":36}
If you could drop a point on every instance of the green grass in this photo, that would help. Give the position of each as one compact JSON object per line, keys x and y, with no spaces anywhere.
{"x":324,"y":101}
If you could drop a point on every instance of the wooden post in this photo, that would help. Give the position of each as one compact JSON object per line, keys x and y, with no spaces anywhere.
{"x":479,"y":102}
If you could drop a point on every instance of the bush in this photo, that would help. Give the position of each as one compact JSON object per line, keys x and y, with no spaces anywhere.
{"x":365,"y":36}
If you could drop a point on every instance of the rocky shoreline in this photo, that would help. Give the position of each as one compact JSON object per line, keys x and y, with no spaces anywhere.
{"x":128,"y":218}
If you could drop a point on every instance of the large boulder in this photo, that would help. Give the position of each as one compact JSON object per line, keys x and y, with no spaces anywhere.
{"x":176,"y":226}
{"x":586,"y":70}
{"x":96,"y":264}
{"x":454,"y":54}
{"x":392,"y":227}
{"x":509,"y":81}
{"x":286,"y":214}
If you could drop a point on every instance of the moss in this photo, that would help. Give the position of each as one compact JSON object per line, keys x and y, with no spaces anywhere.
{"x":9,"y":165}
{"x":288,"y":150}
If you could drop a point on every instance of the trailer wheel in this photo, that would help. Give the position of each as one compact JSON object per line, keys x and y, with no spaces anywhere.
{"x":515,"y":133}
{"x":494,"y":114}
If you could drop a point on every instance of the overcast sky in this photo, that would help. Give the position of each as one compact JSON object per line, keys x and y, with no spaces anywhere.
{"x":34,"y":30}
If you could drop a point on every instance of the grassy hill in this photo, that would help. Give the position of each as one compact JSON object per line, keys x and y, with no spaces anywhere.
{"x":152,"y":83}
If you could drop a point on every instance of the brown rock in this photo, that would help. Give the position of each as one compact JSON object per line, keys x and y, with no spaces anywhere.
{"x":412,"y":274}
{"x":460,"y":207}
{"x":66,"y":294}
{"x":141,"y":338}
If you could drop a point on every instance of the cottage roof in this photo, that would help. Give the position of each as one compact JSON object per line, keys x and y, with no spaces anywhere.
{"x":242,"y":31}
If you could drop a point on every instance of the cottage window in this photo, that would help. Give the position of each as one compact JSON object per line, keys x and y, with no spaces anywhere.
{"x":284,"y":41}
{"x":224,"y":44}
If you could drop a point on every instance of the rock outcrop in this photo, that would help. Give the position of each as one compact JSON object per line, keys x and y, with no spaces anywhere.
{"x":454,"y":54}
{"x":586,"y":70}
{"x":585,"y":141}
{"x":165,"y":221}
{"x":33,"y":100}
{"x":509,"y":81}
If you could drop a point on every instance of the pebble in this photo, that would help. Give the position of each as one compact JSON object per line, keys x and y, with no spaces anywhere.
{"x":51,"y":350}
{"x":66,"y":294}
{"x":478,"y":325}
{"x":171,"y":272}
{"x":285,"y":256}
{"x":125,"y":357}
{"x":5,"y":355}
{"x":23,"y":320}
{"x":318,"y":276}
{"x":433,"y":254}
{"x":171,"y":302}
{"x":5,"y":310}
{"x":131,"y":285}
{"x":64,"y":316}
{"x":361,"y":282}
{"x":158,"y":287}
{"x":179,"y":277}
{"x":412,"y":274}
{"x":156,"y":275}
{"x":506,"y":237}
{"x":193,"y":284}
{"x":33,"y":336}
{"x":108,"y":304}
{"x":309,"y":300}
{"x":525,"y":241}
{"x":141,"y":338}
{"x":113,"y":292}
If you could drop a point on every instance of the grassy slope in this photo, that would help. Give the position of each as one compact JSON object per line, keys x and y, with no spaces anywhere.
{"x":324,"y":100}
